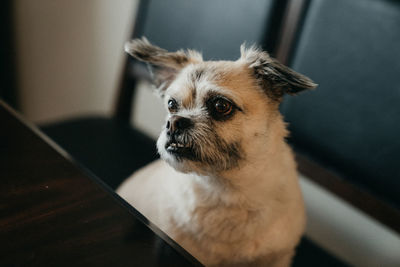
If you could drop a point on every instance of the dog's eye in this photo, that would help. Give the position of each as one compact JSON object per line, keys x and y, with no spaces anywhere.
{"x":172,"y":105}
{"x":223,"y":106}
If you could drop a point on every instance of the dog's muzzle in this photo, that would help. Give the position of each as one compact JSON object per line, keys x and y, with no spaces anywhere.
{"x":178,"y":142}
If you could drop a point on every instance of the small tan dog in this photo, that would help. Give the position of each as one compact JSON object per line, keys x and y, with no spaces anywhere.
{"x":227,"y":188}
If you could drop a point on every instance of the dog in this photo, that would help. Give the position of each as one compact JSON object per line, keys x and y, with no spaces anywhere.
{"x":226,"y":187}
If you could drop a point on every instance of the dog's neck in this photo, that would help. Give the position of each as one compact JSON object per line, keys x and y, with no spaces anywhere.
{"x":263,"y":175}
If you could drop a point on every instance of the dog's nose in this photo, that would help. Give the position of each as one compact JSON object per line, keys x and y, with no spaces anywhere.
{"x":177,"y":124}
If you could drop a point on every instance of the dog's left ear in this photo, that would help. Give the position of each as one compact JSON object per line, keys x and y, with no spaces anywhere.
{"x":274,"y":77}
{"x":164,"y":65}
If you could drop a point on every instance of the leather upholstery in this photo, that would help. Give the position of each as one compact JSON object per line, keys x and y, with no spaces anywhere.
{"x":351,"y":123}
{"x":215,"y":27}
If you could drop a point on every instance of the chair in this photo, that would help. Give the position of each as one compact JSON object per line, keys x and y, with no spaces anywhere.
{"x":110,"y":147}
{"x":346,"y":132}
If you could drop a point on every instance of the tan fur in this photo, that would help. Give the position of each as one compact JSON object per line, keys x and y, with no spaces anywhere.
{"x":238,"y":203}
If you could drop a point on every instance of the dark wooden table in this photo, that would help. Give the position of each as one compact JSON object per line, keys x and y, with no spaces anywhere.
{"x":55,"y":213}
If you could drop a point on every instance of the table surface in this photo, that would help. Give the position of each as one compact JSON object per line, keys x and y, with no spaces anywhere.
{"x":54,"y":212}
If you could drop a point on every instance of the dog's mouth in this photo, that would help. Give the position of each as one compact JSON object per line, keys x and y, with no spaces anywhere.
{"x":179,"y":149}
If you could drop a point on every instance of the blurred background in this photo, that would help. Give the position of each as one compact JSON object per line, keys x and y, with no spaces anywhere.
{"x":62,"y":60}
{"x":69,"y":55}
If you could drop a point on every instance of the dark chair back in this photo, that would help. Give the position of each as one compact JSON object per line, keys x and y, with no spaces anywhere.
{"x":217,"y":28}
{"x":351,"y":123}
{"x":110,"y":147}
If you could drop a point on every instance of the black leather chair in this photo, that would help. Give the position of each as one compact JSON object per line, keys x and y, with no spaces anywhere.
{"x":110,"y":147}
{"x":346,"y":133}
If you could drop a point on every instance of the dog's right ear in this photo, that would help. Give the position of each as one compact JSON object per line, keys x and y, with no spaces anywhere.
{"x":163,"y":65}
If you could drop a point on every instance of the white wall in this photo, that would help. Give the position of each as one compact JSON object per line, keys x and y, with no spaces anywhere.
{"x":149,"y":112}
{"x":69,"y":55}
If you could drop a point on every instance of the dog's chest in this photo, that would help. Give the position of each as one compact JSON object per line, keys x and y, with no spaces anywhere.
{"x":213,"y":228}
{"x":227,"y":224}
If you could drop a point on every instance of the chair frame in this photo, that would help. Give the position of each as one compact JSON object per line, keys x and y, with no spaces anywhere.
{"x":133,"y":72}
{"x":129,"y":79}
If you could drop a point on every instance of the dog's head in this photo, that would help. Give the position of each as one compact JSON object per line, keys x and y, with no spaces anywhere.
{"x":219,"y":112}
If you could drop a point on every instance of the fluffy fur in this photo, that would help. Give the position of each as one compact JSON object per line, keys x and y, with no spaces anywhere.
{"x":226,"y":188}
